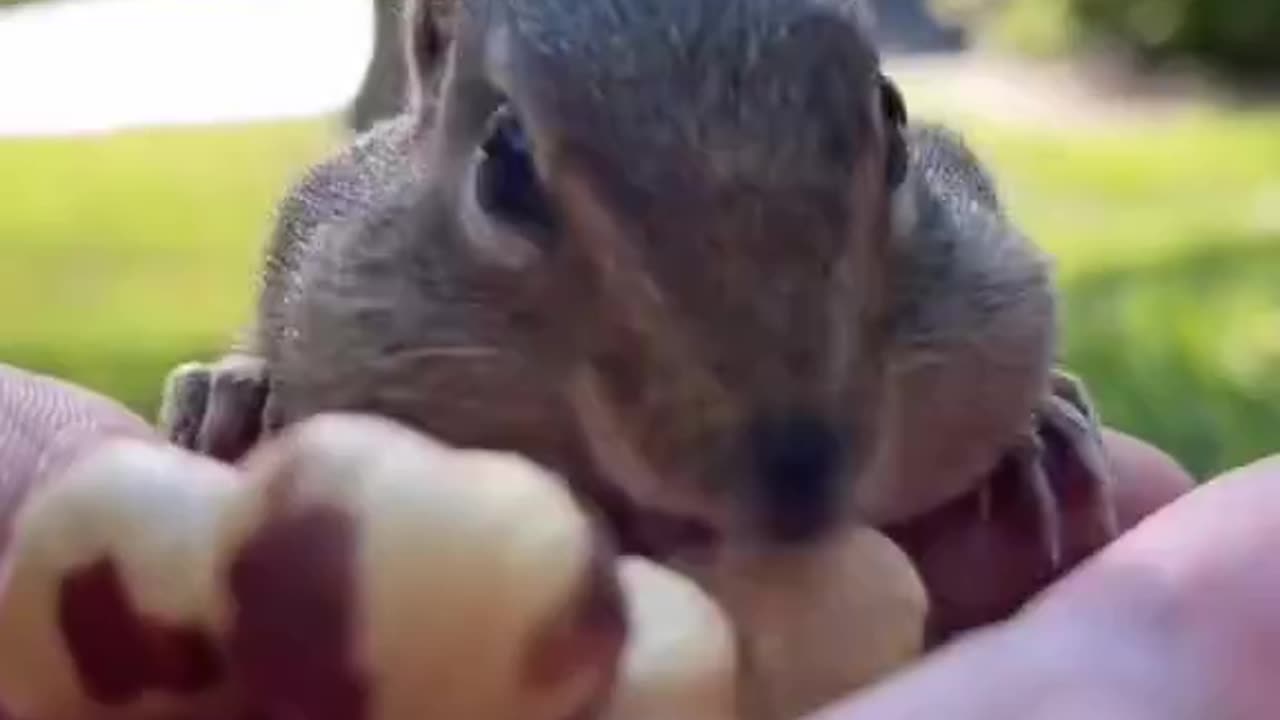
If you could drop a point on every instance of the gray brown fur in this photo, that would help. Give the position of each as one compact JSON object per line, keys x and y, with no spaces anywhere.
{"x":974,"y":326}
{"x":734,"y":259}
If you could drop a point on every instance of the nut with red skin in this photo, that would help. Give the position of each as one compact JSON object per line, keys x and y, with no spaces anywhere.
{"x":371,"y":572}
{"x":106,"y":606}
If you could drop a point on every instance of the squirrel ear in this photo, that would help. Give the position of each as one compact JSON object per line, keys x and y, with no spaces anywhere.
{"x":427,"y":31}
{"x":895,"y":113}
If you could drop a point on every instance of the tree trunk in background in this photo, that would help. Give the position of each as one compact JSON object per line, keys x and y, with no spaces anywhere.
{"x":383,"y":92}
{"x":911,"y":26}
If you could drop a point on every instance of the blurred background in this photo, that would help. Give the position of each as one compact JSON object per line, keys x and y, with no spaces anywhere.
{"x":143,"y":144}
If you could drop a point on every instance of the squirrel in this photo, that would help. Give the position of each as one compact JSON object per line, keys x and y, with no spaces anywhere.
{"x":692,"y":255}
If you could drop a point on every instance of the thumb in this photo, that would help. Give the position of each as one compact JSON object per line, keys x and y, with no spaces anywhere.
{"x":44,"y":425}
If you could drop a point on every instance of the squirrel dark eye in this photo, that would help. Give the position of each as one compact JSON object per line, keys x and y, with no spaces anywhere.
{"x":895,"y":110}
{"x":507,"y":184}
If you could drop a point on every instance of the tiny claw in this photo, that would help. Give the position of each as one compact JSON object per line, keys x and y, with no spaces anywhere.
{"x":233,"y":418}
{"x":1067,"y":440}
{"x":1070,"y":415}
{"x":1068,"y":387}
{"x":186,"y":399}
{"x":1030,"y":464}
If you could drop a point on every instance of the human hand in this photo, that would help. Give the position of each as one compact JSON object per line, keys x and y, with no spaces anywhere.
{"x":1178,"y":619}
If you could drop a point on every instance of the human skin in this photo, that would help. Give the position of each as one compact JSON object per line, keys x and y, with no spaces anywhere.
{"x":1176,"y":620}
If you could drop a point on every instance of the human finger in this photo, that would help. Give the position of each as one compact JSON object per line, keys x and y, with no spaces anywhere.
{"x":1178,"y":619}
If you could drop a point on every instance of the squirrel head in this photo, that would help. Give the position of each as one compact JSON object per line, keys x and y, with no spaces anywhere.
{"x":707,"y":184}
{"x":679,"y":209}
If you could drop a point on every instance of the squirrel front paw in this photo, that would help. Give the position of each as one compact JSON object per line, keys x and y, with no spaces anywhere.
{"x":1062,"y":466}
{"x":216,"y":409}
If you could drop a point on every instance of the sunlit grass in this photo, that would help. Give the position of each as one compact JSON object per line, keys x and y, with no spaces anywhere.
{"x":1135,"y":196}
{"x":1167,"y":239}
{"x":121,"y":256}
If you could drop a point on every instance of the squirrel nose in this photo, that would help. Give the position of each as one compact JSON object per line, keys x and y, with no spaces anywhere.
{"x":796,"y":474}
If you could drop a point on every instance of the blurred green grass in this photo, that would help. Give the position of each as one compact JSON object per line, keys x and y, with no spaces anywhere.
{"x":122,"y":255}
{"x":1167,"y":240}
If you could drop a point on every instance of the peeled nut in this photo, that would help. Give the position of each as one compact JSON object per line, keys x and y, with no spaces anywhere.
{"x":680,"y":661}
{"x":818,"y":623}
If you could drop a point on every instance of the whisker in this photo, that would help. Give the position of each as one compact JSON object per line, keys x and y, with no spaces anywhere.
{"x":458,"y":352}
